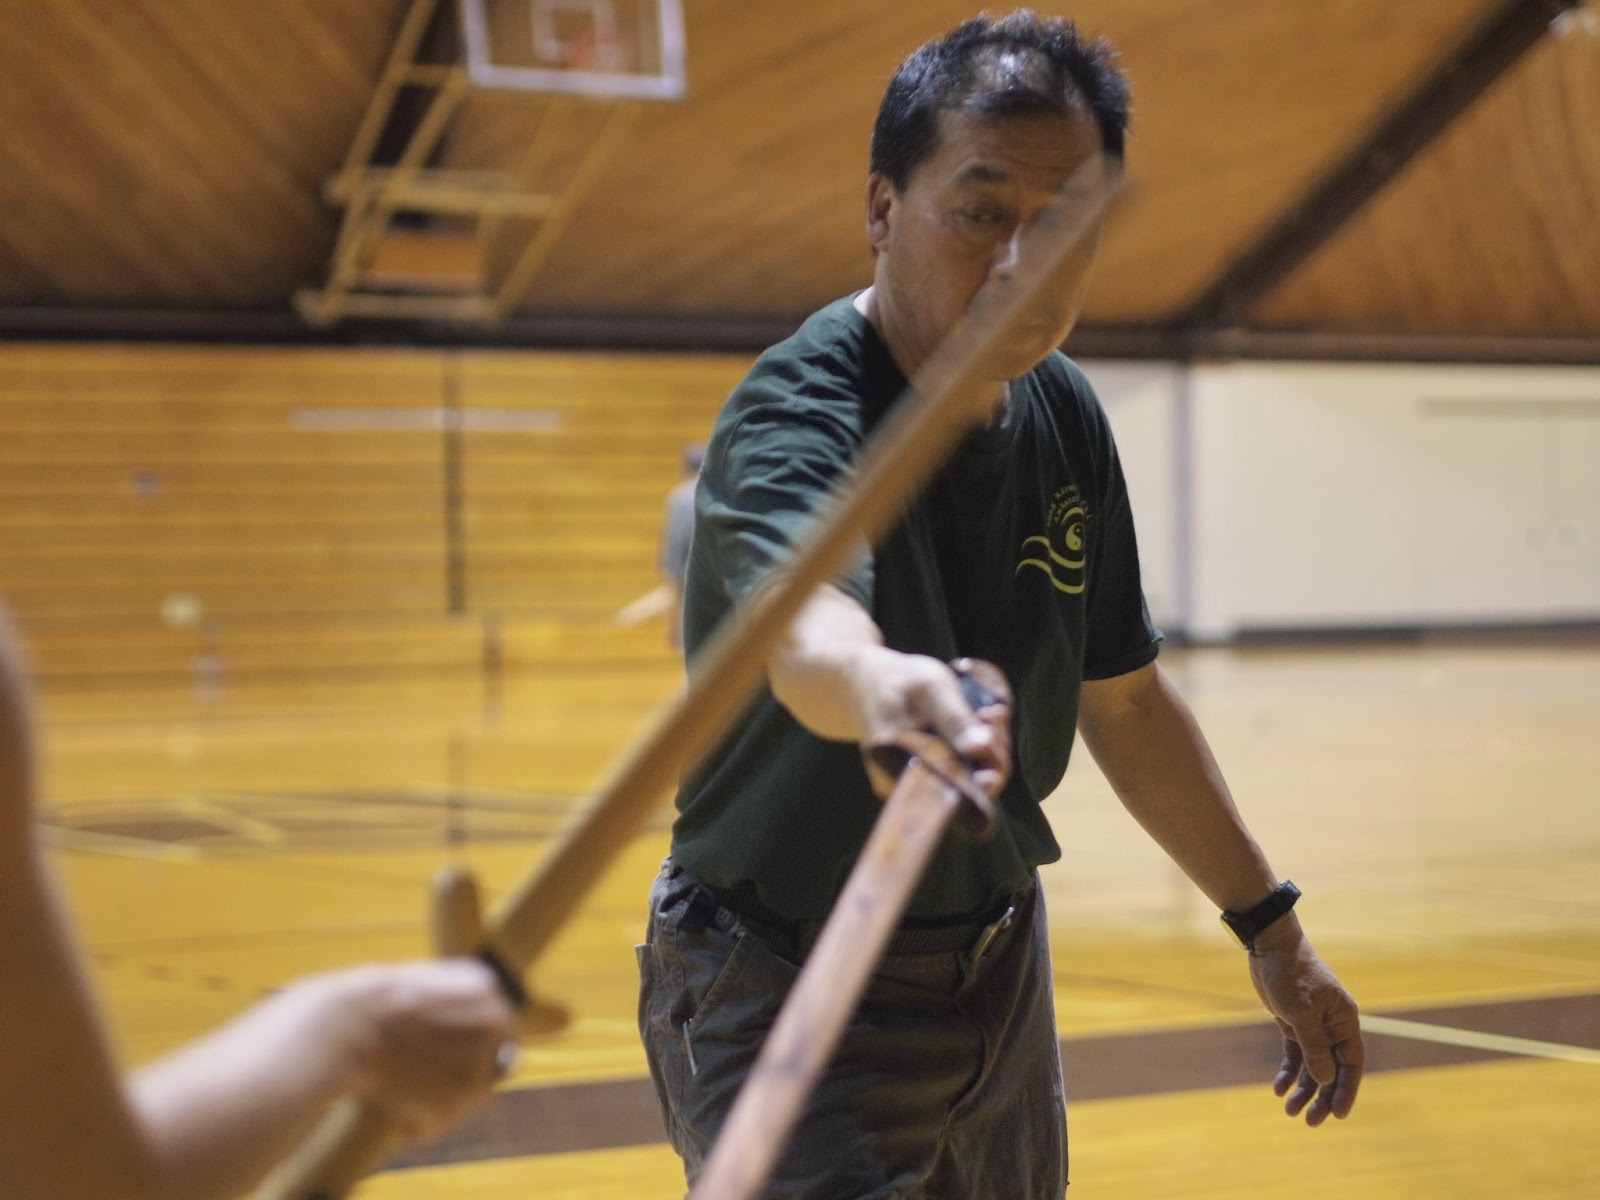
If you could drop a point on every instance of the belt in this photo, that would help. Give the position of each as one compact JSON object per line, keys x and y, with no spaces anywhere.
{"x":975,"y":934}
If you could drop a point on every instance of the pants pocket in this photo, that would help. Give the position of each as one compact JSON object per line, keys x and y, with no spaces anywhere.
{"x":726,"y":979}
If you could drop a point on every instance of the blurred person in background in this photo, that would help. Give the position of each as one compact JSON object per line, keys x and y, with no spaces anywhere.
{"x":677,"y":533}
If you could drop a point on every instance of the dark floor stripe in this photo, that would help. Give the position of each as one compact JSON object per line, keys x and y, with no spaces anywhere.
{"x":619,"y":1113}
{"x":552,"y":1120}
{"x":1567,"y":1020}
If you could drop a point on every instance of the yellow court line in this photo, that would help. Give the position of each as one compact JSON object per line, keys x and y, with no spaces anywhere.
{"x":1472,"y":1039}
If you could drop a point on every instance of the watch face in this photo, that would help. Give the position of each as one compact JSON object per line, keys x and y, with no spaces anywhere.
{"x":1233,"y":932}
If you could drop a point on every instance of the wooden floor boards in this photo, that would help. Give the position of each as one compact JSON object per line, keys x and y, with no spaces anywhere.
{"x":1438,"y":803}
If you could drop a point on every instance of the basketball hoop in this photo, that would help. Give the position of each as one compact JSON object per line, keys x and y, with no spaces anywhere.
{"x":595,"y":43}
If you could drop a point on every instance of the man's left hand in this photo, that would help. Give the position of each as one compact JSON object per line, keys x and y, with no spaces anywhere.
{"x":1323,"y":1057}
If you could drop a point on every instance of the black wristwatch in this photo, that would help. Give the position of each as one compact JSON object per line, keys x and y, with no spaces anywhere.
{"x":1247,"y":926}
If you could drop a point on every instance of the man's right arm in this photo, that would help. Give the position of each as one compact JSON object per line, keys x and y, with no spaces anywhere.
{"x":837,"y":678}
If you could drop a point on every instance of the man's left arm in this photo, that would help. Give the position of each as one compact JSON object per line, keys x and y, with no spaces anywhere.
{"x":1152,"y":751}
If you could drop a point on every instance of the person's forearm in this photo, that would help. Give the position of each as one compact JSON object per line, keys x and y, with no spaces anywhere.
{"x":837,"y":678}
{"x":221,"y":1112}
{"x":202,"y":1124}
{"x":1153,"y":753}
{"x":1151,"y":749}
{"x":814,"y":672}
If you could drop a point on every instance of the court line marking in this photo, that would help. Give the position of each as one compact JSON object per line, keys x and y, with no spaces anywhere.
{"x":63,"y":837}
{"x":469,"y":420}
{"x":1474,"y":1040}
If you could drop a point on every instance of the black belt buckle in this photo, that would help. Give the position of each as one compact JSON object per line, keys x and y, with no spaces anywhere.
{"x":993,"y":930}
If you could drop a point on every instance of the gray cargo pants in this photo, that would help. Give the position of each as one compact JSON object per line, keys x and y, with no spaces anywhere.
{"x":946,"y":1086}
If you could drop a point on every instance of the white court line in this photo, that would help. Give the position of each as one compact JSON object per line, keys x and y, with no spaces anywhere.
{"x":63,"y":837}
{"x":1472,"y":1039}
{"x":467,"y":420}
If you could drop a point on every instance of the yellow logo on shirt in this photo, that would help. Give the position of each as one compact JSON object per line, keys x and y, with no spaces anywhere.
{"x":1058,"y":551}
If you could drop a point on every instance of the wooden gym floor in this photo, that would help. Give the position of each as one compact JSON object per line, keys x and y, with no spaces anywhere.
{"x":1439,"y":803}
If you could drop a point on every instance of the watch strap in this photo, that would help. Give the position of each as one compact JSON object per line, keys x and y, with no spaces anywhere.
{"x":1252,"y":923}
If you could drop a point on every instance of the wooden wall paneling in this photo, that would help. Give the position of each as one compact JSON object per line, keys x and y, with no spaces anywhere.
{"x":202,"y":487}
{"x":136,"y":475}
{"x":568,"y":520}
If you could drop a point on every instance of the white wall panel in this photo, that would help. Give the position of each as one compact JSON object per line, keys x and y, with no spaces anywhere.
{"x":1339,"y":495}
{"x":1142,"y":402}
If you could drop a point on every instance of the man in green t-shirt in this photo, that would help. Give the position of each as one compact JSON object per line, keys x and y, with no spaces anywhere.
{"x":1021,"y":551}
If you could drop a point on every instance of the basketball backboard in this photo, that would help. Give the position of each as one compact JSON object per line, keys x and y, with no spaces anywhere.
{"x":630,"y":49}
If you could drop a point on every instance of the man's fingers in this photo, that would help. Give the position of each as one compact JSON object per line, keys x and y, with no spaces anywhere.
{"x":1348,"y":1057}
{"x":1319,"y":1063}
{"x":1352,"y":1065}
{"x":1337,"y":1098}
{"x":1292,"y":1061}
{"x":1343,"y":1099}
{"x":984,"y":739}
{"x":935,"y":701}
{"x":926,"y":694}
{"x":1331,"y":1097}
{"x":1302,"y":1094}
{"x":974,"y":740}
{"x":1321,"y":1106}
{"x":1293,"y":1074}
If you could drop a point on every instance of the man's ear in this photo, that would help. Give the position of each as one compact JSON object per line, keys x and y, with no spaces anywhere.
{"x":881,"y":201}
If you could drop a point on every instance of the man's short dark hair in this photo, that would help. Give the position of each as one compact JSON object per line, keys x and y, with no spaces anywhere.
{"x":1018,"y":65}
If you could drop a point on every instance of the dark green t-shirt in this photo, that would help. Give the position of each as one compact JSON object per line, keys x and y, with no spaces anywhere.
{"x":1021,"y":551}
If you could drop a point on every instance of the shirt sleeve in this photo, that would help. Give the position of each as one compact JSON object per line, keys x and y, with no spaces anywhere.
{"x":1120,"y":635}
{"x":766,"y":476}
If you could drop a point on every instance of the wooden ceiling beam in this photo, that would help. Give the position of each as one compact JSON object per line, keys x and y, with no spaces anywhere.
{"x":432,"y":321}
{"x":427,"y":307}
{"x":1508,"y":33}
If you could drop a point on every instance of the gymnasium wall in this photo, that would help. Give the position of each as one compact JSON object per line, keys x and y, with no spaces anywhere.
{"x":1144,"y":402}
{"x":173,"y":509}
{"x":224,"y":510}
{"x":1283,"y":496}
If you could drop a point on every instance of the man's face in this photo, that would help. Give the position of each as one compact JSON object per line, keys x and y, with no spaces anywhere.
{"x":957,"y":225}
